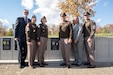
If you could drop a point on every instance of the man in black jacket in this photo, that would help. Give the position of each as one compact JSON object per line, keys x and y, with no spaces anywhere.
{"x":89,"y":28}
{"x":65,"y":35}
{"x":20,"y":37}
{"x":33,"y":40}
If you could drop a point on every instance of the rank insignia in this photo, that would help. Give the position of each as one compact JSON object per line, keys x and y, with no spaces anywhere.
{"x":43,"y":30}
{"x":34,"y":30}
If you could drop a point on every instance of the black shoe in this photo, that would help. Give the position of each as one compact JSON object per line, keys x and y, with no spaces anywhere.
{"x":44,"y":63}
{"x":76,"y":64}
{"x":68,"y":66}
{"x":86,"y":63}
{"x":91,"y":66}
{"x":41,"y":65}
{"x":73,"y":64}
{"x":22,"y":66}
{"x":25,"y":63}
{"x":62,"y":64}
{"x":33,"y":67}
{"x":35,"y":63}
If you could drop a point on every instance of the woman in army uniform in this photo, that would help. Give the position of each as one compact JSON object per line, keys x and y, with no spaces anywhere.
{"x":43,"y":41}
{"x":33,"y":39}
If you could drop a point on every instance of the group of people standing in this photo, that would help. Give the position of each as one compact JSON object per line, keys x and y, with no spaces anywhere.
{"x":32,"y":38}
{"x":74,"y":36}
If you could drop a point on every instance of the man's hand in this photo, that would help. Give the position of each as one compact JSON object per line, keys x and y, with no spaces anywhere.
{"x":16,"y":39}
{"x":69,"y":41}
{"x":29,"y":43}
{"x":75,"y":41}
{"x":38,"y":43}
{"x":89,"y":40}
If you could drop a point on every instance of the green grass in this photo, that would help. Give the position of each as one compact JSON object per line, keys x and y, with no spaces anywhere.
{"x":97,"y":35}
{"x":53,"y":36}
{"x":104,"y":35}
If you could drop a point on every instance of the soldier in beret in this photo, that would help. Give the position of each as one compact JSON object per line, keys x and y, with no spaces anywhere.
{"x":33,"y":39}
{"x":43,"y":41}
{"x":65,"y":36}
{"x":89,"y":28}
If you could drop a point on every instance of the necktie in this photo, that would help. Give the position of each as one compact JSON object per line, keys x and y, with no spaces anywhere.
{"x":25,"y":20}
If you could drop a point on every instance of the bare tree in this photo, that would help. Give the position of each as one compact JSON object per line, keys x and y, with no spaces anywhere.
{"x":2,"y":29}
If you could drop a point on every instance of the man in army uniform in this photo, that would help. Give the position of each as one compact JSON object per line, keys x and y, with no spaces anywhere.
{"x":33,"y":40}
{"x":65,"y":35}
{"x":89,"y":28}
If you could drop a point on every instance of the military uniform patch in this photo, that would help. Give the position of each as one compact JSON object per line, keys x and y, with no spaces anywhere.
{"x":38,"y":26}
{"x":34,"y":30}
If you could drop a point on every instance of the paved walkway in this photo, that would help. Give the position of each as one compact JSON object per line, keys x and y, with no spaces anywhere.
{"x":54,"y":69}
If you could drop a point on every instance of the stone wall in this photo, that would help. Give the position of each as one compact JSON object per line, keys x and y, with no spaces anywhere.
{"x":103,"y":51}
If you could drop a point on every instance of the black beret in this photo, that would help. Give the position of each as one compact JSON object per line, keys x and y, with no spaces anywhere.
{"x":33,"y":16}
{"x":43,"y":17}
{"x":63,"y":14}
{"x":87,"y":13}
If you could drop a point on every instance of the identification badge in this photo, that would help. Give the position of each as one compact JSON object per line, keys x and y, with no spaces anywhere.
{"x":38,"y":26}
{"x":43,"y":30}
{"x":66,"y":41}
{"x":34,"y":30}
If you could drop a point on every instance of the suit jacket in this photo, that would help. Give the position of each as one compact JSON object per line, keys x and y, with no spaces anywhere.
{"x":77,"y":32}
{"x":20,"y":29}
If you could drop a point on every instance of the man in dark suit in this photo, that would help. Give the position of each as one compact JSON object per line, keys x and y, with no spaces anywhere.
{"x":20,"y":37}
